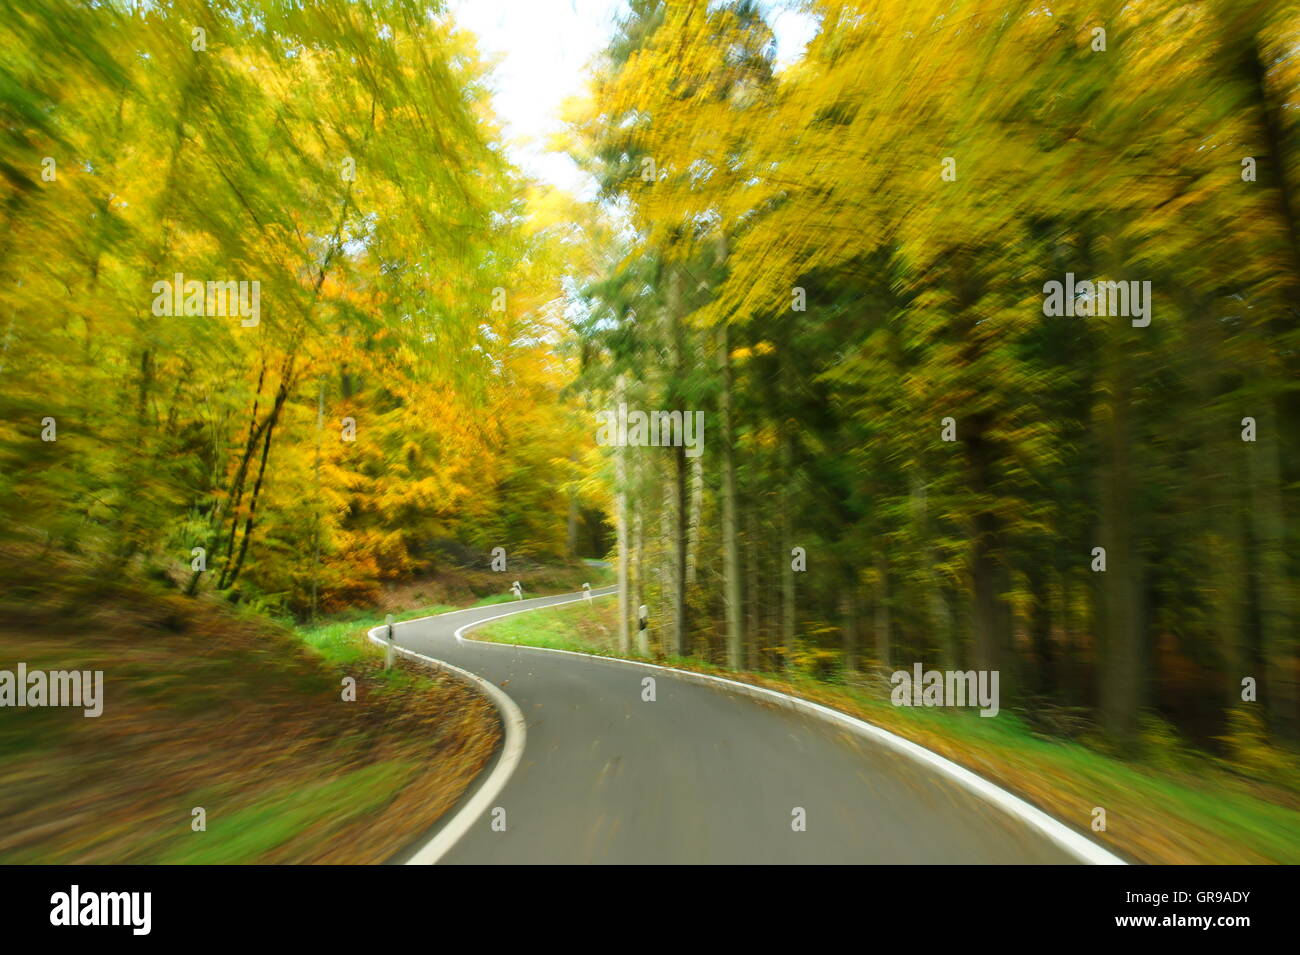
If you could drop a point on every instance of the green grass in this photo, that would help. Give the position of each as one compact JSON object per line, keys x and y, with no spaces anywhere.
{"x":501,"y":599}
{"x":287,"y":813}
{"x":575,"y":627}
{"x":1157,"y":812}
{"x":340,"y":638}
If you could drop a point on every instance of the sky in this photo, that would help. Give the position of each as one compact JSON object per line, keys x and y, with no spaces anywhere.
{"x":542,"y":49}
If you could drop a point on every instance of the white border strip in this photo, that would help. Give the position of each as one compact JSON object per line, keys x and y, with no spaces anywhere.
{"x":512,"y":750}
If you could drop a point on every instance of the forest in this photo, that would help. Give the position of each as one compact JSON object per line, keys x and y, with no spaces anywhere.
{"x":398,"y":383}
{"x":913,"y":456}
{"x":912,"y":448}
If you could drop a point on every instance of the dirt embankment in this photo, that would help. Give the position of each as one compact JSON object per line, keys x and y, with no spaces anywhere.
{"x":208,"y":710}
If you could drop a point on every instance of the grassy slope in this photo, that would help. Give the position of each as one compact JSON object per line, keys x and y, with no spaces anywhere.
{"x":1192,"y":813}
{"x":231,"y":713}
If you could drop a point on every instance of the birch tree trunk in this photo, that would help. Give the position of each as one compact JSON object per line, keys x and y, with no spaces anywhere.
{"x":620,"y":526}
{"x":677,"y":478}
{"x":638,"y":590}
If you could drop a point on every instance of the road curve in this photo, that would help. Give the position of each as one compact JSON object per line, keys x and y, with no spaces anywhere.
{"x":700,"y":775}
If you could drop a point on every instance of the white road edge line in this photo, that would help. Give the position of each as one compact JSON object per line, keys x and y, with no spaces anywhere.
{"x":1073,"y":842}
{"x":512,"y":722}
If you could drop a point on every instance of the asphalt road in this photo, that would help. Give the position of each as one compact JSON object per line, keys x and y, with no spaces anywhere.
{"x":701,"y":775}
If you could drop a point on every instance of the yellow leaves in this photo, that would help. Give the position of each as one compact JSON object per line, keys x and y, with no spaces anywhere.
{"x":744,"y":353}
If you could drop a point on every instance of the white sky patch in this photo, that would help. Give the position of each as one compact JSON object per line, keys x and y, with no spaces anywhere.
{"x":792,"y":29}
{"x":543,"y":50}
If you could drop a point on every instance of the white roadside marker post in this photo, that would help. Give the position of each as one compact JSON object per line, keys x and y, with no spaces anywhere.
{"x":388,"y":650}
{"x":586,"y":590}
{"x":517,"y":590}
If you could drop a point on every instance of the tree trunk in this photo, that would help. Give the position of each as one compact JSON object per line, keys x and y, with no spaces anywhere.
{"x":571,"y":527}
{"x":696,"y":470}
{"x":620,"y":527}
{"x":730,"y":529}
{"x":638,"y":590}
{"x":1040,"y":628}
{"x":250,"y":522}
{"x":788,"y":610}
{"x":316,"y":530}
{"x":677,"y":478}
{"x":667,"y":577}
{"x":1277,"y":643}
{"x":1121,"y":670}
{"x":882,"y":624}
{"x":752,"y":589}
{"x":986,"y":618}
{"x":941,"y":620}
{"x":849,"y":625}
{"x":1067,"y":669}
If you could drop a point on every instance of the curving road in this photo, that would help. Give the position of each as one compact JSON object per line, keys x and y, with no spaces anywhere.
{"x":700,"y":775}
